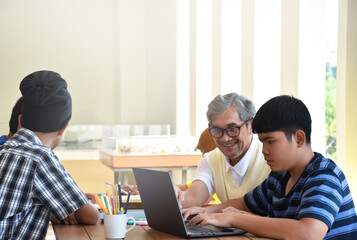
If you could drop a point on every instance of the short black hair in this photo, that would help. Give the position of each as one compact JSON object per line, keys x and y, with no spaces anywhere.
{"x":16,"y":111}
{"x":283,"y":113}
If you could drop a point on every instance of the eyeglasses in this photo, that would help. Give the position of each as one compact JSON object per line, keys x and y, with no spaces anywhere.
{"x":217,"y":132}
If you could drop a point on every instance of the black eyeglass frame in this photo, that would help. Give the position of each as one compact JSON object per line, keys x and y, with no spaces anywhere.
{"x":226,"y":130}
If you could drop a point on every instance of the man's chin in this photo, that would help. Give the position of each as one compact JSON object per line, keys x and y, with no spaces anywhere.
{"x":234,"y":155}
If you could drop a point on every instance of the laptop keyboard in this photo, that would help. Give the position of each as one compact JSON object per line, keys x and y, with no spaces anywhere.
{"x":196,"y":230}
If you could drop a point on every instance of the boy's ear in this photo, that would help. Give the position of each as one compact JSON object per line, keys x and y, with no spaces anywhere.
{"x":63,"y":130}
{"x":19,"y":126}
{"x":300,"y":138}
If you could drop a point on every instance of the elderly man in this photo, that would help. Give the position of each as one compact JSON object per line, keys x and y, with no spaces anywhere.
{"x":237,"y":165}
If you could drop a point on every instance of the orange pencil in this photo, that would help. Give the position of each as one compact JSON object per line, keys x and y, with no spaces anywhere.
{"x":100,"y":203}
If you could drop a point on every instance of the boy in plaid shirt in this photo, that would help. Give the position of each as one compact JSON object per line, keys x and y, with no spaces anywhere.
{"x":33,"y":182}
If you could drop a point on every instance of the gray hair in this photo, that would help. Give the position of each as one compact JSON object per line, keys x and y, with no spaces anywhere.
{"x":243,"y":105}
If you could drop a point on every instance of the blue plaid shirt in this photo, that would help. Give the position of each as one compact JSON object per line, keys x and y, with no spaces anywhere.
{"x":33,"y":184}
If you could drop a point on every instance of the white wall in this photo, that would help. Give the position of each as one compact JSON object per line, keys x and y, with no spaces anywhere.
{"x":118,"y":57}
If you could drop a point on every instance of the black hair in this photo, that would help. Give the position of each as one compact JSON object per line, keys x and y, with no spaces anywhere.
{"x":16,"y":111}
{"x":283,"y":113}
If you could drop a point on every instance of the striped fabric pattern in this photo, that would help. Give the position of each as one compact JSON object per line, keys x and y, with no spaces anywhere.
{"x":33,"y":184}
{"x":321,"y":192}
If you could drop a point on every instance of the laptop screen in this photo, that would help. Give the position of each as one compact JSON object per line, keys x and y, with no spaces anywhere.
{"x":161,"y":206}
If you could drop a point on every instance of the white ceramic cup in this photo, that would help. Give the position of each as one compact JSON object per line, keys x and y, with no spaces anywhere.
{"x":115,"y":225}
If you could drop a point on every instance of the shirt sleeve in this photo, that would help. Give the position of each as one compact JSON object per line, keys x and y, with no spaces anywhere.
{"x":56,"y":189}
{"x":322,"y":197}
{"x":204,"y":173}
{"x":257,"y":200}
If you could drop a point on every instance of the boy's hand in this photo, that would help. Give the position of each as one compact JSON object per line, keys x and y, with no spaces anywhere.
{"x":90,"y":197}
{"x":216,"y":219}
{"x":231,"y":209}
{"x":54,"y":219}
{"x":70,"y":219}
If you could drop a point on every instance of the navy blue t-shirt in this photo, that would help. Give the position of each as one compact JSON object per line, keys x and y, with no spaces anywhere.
{"x":321,"y":192}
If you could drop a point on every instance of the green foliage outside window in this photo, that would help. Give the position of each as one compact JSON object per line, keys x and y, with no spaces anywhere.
{"x":330,"y":112}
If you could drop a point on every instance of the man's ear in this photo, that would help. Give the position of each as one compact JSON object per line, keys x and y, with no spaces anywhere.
{"x":63,"y":130}
{"x":250,"y":126}
{"x":300,"y":138}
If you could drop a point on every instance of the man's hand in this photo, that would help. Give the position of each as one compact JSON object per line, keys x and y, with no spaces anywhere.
{"x":180,"y":195}
{"x":193,"y":211}
{"x":133,"y":189}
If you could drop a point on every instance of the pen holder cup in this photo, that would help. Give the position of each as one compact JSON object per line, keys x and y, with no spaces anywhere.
{"x":115,"y":226}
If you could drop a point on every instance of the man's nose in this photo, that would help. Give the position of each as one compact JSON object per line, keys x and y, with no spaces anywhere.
{"x":225,"y":136}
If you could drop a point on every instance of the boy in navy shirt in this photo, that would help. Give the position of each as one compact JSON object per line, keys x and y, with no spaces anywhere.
{"x":306,"y":196}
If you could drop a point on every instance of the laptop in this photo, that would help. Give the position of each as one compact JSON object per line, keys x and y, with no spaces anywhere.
{"x":162,"y":209}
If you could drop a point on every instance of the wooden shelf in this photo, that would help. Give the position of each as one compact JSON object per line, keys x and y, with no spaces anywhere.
{"x":116,"y":161}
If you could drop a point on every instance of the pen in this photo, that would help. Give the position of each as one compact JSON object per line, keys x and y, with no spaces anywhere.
{"x":120,"y":200}
{"x":115,"y":198}
{"x":127,"y":203}
{"x":100,"y":203}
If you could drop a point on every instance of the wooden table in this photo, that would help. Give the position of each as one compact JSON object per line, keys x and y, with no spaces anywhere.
{"x":96,"y":232}
{"x":121,"y":162}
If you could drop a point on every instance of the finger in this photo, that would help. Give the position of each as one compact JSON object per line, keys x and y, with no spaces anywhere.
{"x":65,"y":220}
{"x":73,"y":220}
{"x":203,"y":222}
{"x":55,"y":220}
{"x":180,"y":201}
{"x":185,"y":216}
{"x":194,"y":220}
{"x":225,"y":210}
{"x":187,"y":213}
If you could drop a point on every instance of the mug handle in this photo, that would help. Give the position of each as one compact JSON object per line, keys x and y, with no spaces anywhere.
{"x":134,"y":223}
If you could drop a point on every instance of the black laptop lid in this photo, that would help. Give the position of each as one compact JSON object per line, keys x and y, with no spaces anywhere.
{"x":159,"y":201}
